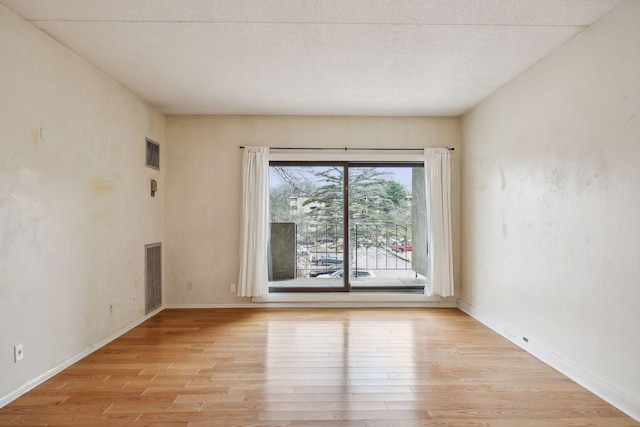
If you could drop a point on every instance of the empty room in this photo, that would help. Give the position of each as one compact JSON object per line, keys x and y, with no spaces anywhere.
{"x":183,"y":182}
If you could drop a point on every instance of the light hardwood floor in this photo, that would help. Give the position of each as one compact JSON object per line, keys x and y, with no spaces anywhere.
{"x":312,"y":367}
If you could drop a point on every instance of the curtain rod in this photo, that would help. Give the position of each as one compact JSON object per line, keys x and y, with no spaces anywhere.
{"x":347,"y":148}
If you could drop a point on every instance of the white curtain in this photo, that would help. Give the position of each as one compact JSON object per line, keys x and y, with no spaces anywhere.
{"x":438,"y":183}
{"x":254,"y":232}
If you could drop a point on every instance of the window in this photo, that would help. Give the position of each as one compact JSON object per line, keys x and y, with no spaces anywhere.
{"x":368,"y":216}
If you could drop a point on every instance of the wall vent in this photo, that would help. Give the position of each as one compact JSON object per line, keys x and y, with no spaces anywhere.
{"x":153,"y":277}
{"x":153,"y":154}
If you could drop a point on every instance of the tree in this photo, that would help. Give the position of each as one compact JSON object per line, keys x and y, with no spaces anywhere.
{"x":279,"y":206}
{"x":395,"y":193}
{"x":293,"y":182}
{"x":329,"y":195}
{"x":367,"y":200}
{"x":296,"y":178}
{"x":373,"y":201}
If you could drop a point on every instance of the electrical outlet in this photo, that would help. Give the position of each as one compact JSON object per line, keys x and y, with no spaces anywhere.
{"x":189,"y":285}
{"x":18,"y":352}
{"x":111,"y":309}
{"x":232,"y":287}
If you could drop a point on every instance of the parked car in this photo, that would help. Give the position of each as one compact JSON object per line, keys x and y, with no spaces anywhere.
{"x":340,"y":273}
{"x":324,"y":239}
{"x":402,"y":247}
{"x":328,"y":270}
{"x":301,"y":250}
{"x":326,"y":258}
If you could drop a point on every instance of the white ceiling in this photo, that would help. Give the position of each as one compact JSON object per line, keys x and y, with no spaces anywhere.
{"x":316,"y":57}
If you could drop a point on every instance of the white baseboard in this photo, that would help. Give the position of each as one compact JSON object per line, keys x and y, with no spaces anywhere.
{"x":49,"y":374}
{"x":199,"y":305}
{"x":611,"y":394}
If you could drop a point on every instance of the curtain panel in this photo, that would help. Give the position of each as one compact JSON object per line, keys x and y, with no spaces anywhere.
{"x":254,"y":223}
{"x":440,"y":254}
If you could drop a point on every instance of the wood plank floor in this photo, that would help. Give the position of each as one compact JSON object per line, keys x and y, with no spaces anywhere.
{"x":311,"y":368}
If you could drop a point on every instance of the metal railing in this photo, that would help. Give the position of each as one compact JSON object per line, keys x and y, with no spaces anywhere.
{"x":320,"y":248}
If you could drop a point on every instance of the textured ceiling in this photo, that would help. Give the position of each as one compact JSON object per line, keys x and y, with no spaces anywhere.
{"x":317,"y":57}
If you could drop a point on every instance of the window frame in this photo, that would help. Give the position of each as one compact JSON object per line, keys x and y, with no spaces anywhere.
{"x":346,"y":164}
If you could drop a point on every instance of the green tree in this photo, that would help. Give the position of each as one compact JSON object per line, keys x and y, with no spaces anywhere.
{"x":367,"y":199}
{"x":329,"y":195}
{"x":375,"y":199}
{"x":395,"y":193}
{"x":372,"y":197}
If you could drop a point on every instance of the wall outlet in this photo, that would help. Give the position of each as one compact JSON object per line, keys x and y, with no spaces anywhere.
{"x":189,"y":285}
{"x":111,"y":309}
{"x":232,"y":287}
{"x":18,"y":353}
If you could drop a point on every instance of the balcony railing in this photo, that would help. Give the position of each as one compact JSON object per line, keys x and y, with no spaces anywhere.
{"x":373,"y":247}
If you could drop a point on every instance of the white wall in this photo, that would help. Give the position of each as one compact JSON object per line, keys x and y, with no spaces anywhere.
{"x":203,"y":185}
{"x":551,"y":208}
{"x":71,"y":243}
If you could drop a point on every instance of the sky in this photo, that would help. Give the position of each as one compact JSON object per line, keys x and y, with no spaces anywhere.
{"x":401,"y":175}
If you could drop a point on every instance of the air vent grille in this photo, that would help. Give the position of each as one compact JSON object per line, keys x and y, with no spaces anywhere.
{"x":153,"y":154}
{"x":153,"y":277}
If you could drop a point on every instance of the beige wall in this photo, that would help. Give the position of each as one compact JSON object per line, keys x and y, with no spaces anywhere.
{"x":551,"y":208}
{"x":71,"y":241}
{"x":203,"y":185}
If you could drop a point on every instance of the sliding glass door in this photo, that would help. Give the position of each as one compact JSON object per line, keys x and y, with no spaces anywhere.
{"x":347,"y":227}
